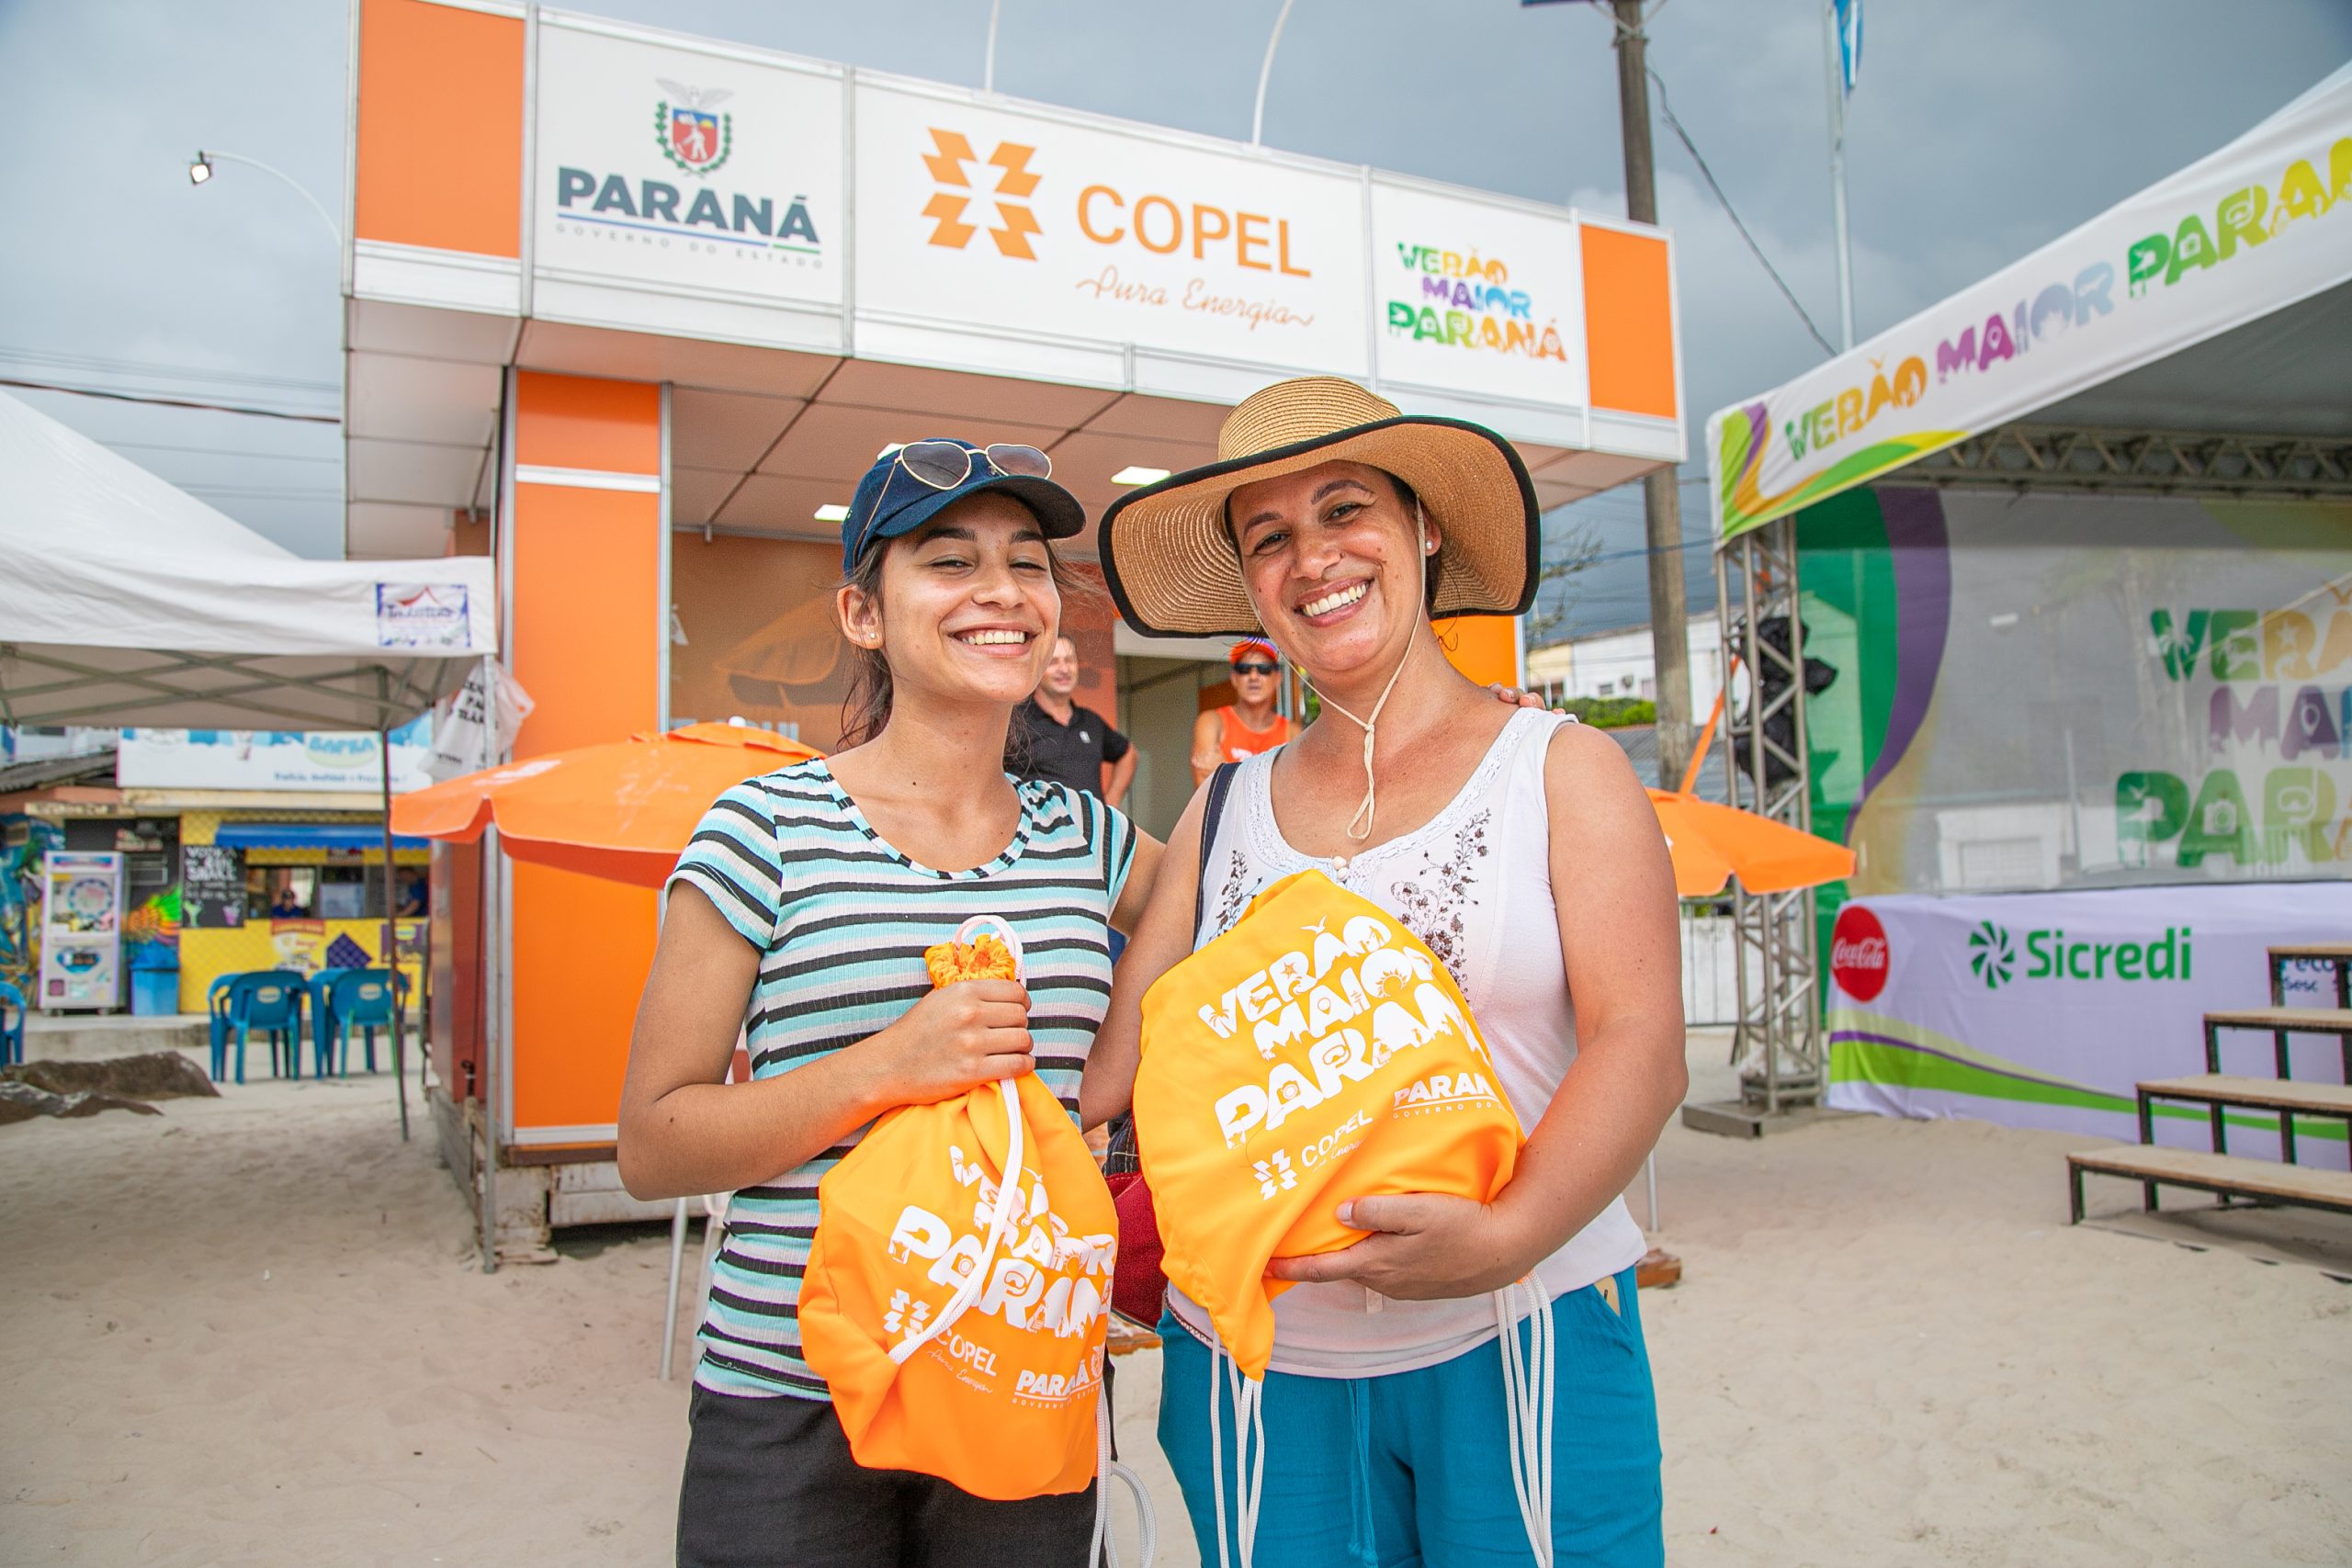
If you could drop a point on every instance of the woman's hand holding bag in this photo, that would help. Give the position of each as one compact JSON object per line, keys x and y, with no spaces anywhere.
{"x":955,"y":1296}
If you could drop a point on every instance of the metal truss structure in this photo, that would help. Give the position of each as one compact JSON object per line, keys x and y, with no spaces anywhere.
{"x":2140,"y":462}
{"x":1778,"y":1038}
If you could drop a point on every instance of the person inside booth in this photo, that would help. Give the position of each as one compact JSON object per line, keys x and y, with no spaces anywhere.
{"x":282,"y":893}
{"x":1248,"y":724}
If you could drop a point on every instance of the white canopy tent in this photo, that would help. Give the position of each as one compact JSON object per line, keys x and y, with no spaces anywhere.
{"x":2191,"y":340}
{"x":2193,"y":336}
{"x":126,"y":601}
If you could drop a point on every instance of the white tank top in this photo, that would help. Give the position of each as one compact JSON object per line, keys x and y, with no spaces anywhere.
{"x":1475,"y":884}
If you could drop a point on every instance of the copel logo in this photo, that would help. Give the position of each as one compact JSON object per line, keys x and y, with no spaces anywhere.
{"x":1859,"y":959}
{"x":952,"y":152}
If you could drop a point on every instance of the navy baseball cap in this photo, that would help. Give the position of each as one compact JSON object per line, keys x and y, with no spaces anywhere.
{"x":891,"y":501}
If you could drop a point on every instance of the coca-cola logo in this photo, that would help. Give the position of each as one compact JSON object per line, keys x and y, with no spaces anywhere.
{"x":1858,"y":958}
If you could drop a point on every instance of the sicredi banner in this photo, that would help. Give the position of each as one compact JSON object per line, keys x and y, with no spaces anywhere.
{"x":696,"y":166}
{"x":2044,"y":1010}
{"x":1058,"y":227}
{"x":2260,"y":224}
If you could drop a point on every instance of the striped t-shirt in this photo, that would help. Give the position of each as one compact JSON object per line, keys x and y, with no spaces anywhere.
{"x":840,"y":920}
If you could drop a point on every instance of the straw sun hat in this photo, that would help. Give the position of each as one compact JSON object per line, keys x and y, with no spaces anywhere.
{"x":1171,"y":565}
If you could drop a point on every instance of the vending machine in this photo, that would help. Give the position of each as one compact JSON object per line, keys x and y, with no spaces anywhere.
{"x":81,"y":929}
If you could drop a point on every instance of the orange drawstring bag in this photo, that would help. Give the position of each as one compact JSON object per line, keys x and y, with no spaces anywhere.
{"x":958,"y":1316}
{"x":1317,"y":1051}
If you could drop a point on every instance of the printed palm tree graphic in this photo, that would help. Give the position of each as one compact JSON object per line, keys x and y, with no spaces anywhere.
{"x":1990,"y":955}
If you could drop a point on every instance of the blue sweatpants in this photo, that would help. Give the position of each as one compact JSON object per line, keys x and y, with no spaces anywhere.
{"x":1413,"y":1470}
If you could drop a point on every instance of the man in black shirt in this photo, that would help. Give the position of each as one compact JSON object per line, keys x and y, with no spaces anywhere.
{"x":1053,"y":738}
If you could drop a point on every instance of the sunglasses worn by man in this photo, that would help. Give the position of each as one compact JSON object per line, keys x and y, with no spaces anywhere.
{"x":1254,"y":668}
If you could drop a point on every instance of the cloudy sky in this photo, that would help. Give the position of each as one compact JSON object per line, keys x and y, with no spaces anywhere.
{"x":1980,"y":130}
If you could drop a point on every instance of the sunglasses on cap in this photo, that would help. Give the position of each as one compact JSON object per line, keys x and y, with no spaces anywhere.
{"x":943,"y":465}
{"x":1253,"y":667}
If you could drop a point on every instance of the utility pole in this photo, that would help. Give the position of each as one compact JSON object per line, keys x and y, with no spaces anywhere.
{"x":1661,"y":495}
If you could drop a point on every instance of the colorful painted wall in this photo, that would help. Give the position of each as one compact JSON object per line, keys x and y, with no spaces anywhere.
{"x":2073,"y":691}
{"x":305,"y":945}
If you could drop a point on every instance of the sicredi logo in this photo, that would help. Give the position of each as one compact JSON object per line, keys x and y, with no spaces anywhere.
{"x":1857,"y":954}
{"x":2051,"y":955}
{"x":950,"y":156}
{"x":1990,"y":957}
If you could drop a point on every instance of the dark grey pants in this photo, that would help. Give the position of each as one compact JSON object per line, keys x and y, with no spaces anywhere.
{"x":770,"y":1484}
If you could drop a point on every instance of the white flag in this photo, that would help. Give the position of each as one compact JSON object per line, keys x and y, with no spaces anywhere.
{"x":476,"y":724}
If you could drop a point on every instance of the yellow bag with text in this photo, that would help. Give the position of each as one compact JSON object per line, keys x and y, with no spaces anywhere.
{"x":1315,"y":1052}
{"x":955,"y":1295}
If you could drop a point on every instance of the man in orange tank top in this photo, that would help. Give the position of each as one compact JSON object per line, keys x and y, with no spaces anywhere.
{"x":1250,"y":724}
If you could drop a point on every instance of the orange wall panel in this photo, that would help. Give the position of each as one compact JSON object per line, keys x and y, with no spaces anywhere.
{"x":587,"y":627}
{"x":440,"y":157}
{"x":1484,"y":648}
{"x":587,"y":565}
{"x":454,"y":1024}
{"x":579,"y":421}
{"x":582,"y":947}
{"x":1629,"y":322}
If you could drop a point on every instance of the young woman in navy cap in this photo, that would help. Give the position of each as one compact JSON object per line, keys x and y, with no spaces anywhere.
{"x":799,"y":914}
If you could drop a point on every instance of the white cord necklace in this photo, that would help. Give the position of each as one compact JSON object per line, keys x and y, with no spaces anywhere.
{"x":1367,"y":812}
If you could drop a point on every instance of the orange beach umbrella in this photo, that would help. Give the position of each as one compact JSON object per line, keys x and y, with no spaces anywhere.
{"x":622,"y":810}
{"x":1712,"y":843}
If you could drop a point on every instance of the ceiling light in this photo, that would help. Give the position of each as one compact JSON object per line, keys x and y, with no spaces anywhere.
{"x":828,"y":512}
{"x":200,"y":171}
{"x":1134,"y":475}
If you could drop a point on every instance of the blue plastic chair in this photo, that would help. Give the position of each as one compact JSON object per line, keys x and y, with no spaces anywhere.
{"x":12,"y":1035}
{"x":216,"y":1006}
{"x":363,"y":1001}
{"x":322,"y":988}
{"x":270,"y":1001}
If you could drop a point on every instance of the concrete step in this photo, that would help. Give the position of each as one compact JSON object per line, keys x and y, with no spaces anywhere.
{"x":99,"y":1036}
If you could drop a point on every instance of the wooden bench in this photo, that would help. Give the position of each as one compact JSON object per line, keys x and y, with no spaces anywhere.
{"x":2338,"y":953}
{"x":2225,"y":1176}
{"x":2221,"y":1090}
{"x":2280,"y":1023}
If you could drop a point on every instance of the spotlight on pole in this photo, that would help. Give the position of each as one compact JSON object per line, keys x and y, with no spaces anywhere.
{"x":200,"y":171}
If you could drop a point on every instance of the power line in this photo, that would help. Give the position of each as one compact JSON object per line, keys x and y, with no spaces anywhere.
{"x":171,"y":402}
{"x":262,"y":492}
{"x":57,"y":359}
{"x":1665,"y":107}
{"x":219,"y":452}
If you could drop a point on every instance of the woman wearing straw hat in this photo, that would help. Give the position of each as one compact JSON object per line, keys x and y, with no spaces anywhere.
{"x":1522,"y":851}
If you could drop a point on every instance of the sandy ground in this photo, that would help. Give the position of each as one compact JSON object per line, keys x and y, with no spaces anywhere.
{"x":253,"y":1330}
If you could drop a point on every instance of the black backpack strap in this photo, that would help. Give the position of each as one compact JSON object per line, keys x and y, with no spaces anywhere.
{"x":1120,"y":1156}
{"x":1212,"y":813}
